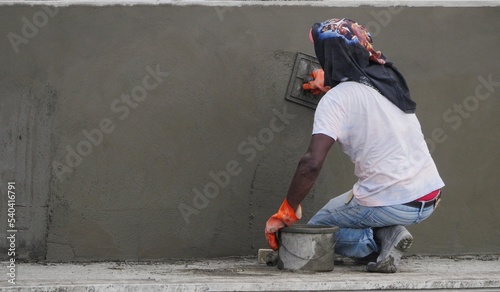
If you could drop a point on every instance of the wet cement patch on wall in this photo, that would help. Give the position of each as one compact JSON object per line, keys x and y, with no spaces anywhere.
{"x":28,"y":146}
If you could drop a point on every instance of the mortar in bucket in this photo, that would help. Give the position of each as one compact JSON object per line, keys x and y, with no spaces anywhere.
{"x":307,"y":247}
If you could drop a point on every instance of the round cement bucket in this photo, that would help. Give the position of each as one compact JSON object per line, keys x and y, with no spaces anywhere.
{"x":306,"y":247}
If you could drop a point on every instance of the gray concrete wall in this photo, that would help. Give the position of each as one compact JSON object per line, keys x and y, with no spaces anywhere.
{"x":114,"y":119}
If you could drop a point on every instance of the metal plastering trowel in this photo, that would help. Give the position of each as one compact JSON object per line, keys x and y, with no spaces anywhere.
{"x":302,"y":69}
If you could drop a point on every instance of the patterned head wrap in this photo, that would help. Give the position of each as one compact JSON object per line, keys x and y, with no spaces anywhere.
{"x":345,"y":51}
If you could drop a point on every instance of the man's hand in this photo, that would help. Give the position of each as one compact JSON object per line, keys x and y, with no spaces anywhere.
{"x":306,"y":174}
{"x":286,"y":216}
{"x":317,"y":85}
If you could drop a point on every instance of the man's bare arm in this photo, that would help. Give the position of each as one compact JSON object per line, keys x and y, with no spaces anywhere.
{"x":308,"y":169}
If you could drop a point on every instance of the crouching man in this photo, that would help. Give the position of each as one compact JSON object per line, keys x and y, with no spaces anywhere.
{"x":368,"y":110}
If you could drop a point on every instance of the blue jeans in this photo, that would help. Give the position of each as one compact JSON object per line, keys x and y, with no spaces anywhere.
{"x":355,"y":237}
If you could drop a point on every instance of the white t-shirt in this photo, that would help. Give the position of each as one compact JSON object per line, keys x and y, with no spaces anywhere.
{"x":392,"y":162}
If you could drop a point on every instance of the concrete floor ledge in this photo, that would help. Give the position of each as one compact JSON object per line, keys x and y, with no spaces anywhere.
{"x":319,"y":3}
{"x":245,"y":274}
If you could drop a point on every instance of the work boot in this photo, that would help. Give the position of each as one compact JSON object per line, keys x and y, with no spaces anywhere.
{"x":395,"y":240}
{"x":367,"y":259}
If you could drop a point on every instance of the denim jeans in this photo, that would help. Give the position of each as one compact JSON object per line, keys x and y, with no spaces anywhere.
{"x":355,"y":237}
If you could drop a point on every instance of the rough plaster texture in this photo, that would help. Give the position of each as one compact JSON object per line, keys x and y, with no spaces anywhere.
{"x":221,"y":75}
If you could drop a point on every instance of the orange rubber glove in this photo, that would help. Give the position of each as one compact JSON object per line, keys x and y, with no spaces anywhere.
{"x":317,"y":86}
{"x":286,"y":216}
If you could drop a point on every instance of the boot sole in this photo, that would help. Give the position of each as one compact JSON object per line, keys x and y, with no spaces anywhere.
{"x":388,"y":264}
{"x":405,"y":243}
{"x":385,"y":266}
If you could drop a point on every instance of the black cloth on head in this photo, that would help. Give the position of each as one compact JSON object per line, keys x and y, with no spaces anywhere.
{"x":345,"y":51}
